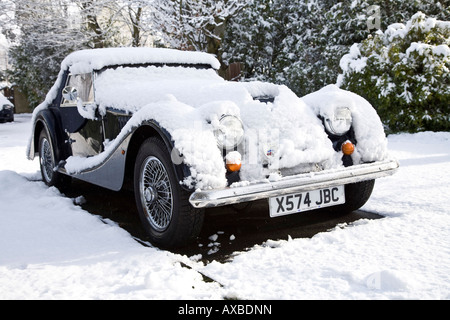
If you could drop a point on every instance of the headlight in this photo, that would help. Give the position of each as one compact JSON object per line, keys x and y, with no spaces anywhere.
{"x":230,"y":132}
{"x":340,"y":122}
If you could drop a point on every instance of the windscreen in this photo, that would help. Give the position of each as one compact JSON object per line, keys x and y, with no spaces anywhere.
{"x":130,"y":87}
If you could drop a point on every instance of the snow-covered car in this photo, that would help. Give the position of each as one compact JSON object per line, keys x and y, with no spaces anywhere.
{"x":6,"y":110}
{"x":164,"y":123}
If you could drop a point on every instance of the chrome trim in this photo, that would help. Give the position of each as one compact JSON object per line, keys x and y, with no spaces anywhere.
{"x":293,"y":184}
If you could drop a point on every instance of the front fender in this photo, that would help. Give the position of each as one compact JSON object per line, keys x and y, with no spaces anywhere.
{"x":151,"y":128}
{"x":47,"y":120}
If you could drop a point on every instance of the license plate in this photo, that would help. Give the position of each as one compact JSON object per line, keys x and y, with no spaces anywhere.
{"x":304,"y":201}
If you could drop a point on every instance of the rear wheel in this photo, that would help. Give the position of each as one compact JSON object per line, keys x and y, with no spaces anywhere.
{"x":163,"y":206}
{"x":47,"y":160}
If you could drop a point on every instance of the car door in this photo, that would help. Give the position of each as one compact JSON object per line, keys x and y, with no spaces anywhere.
{"x":79,"y":116}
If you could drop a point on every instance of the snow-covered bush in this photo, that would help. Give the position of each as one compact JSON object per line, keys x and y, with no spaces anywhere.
{"x":300,"y":43}
{"x":404,"y":73}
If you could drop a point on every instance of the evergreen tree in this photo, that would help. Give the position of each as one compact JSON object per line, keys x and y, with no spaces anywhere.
{"x":250,"y":38}
{"x":300,"y":63}
{"x":300,"y":43}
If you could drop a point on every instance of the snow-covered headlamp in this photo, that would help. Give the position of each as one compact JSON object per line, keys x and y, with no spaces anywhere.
{"x":340,"y":123}
{"x":230,"y":132}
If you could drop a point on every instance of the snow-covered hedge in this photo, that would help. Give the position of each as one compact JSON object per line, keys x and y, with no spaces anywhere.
{"x":404,"y":73}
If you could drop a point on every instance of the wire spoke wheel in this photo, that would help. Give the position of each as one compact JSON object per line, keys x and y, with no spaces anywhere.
{"x":47,"y":160}
{"x":156,"y":193}
{"x":163,"y":205}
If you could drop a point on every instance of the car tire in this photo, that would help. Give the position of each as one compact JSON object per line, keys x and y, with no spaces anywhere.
{"x":164,"y":209}
{"x":356,"y":195}
{"x":47,"y":162}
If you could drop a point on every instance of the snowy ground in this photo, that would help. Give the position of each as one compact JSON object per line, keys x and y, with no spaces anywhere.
{"x":53,"y":249}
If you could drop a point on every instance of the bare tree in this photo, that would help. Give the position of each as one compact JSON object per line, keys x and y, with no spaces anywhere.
{"x":43,"y":32}
{"x":194,"y":24}
{"x":115,"y":22}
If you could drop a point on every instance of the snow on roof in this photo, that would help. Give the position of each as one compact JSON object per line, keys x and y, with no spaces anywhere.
{"x":85,"y":61}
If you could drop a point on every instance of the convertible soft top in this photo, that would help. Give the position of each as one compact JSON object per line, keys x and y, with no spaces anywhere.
{"x":85,"y":61}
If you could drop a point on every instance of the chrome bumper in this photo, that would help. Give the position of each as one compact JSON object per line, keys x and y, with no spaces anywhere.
{"x":293,"y":184}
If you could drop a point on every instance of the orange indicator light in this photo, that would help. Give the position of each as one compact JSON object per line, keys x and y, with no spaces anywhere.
{"x":233,"y":167}
{"x":233,"y":161}
{"x":348,"y":148}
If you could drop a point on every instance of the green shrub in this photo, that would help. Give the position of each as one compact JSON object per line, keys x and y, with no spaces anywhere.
{"x":404,"y":73}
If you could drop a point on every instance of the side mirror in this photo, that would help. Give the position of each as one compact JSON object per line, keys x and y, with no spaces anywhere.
{"x":70,"y":94}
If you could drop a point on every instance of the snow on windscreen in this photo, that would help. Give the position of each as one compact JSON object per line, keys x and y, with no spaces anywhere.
{"x":130,"y":88}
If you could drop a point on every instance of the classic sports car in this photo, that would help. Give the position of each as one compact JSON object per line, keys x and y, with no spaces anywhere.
{"x":6,"y":109}
{"x":163,"y":122}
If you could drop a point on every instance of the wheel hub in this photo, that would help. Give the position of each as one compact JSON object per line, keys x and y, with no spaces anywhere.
{"x":150,"y":194}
